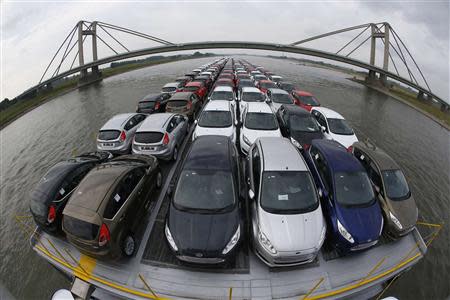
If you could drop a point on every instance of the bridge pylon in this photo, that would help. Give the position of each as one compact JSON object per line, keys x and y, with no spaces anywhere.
{"x":87,"y":77}
{"x":378,"y":33}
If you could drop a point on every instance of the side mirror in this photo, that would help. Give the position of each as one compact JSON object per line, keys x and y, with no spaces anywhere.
{"x":236,"y":123}
{"x":148,"y":170}
{"x":320,"y":193}
{"x":251,"y":194}
{"x":195,"y":122}
{"x":170,"y":190}
{"x":324,"y":129}
{"x":376,"y":188}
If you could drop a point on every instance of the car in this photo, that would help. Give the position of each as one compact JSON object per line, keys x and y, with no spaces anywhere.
{"x":353,"y":214}
{"x":250,"y":94}
{"x":226,"y":76}
{"x":264,"y":85}
{"x":117,"y":134}
{"x":298,"y":125}
{"x":275,"y":78}
{"x":278,"y":97}
{"x":205,"y":79}
{"x":161,"y":135}
{"x":259,"y":77}
{"x":397,"y":203}
{"x":224,"y":82}
{"x":208,"y":73}
{"x":153,"y":103}
{"x":183,"y":80}
{"x":254,"y":73}
{"x":242,"y":83}
{"x":241,"y":76}
{"x":49,"y":197}
{"x":171,"y":87}
{"x":107,"y":208}
{"x":197,"y":87}
{"x":191,"y":75}
{"x":287,"y":86}
{"x":185,"y":103}
{"x":222,"y":93}
{"x":287,"y":224}
{"x":218,"y":117}
{"x":305,"y":99}
{"x":334,"y":125}
{"x":258,"y":120}
{"x":203,"y":225}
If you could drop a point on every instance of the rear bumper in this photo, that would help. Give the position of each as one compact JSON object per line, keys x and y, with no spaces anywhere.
{"x":123,"y":149}
{"x":165,"y":154}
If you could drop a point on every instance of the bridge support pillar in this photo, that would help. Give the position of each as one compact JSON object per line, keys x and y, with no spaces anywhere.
{"x":95,"y":74}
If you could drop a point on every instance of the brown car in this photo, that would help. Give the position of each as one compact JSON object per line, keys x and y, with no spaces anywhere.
{"x":398,"y":205}
{"x":105,"y":210}
{"x":185,"y":103}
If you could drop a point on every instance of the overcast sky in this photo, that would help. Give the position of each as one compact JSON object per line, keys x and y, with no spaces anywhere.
{"x":32,"y":31}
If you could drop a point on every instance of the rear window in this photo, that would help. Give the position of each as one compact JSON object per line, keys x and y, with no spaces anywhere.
{"x":282,"y":98}
{"x":147,"y":104}
{"x":222,"y":95}
{"x":169,"y":89}
{"x":309,"y":100}
{"x":253,"y":97}
{"x":215,"y":119}
{"x":106,"y":135}
{"x":177,"y":103}
{"x":148,"y":137}
{"x":81,"y":229}
{"x":268,"y":85}
{"x":191,"y":88}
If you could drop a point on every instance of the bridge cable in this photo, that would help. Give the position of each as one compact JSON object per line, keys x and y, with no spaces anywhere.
{"x":353,"y":39}
{"x":107,"y":44}
{"x":390,"y":56}
{"x":359,"y":45}
{"x":65,"y":54}
{"x":114,"y":38}
{"x":78,"y":52}
{"x":136,"y":33}
{"x":402,"y":57}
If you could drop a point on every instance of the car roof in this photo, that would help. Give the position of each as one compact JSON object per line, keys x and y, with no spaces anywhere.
{"x":117,"y":121}
{"x":381,"y":158}
{"x":155,"y":122}
{"x":181,"y":96}
{"x":194,"y":83}
{"x":151,"y":97}
{"x":278,"y":91}
{"x":209,"y":152}
{"x":279,"y":154}
{"x":328,"y":113}
{"x":302,"y":93}
{"x":171,"y":84}
{"x":223,"y":88}
{"x":250,"y":89}
{"x":260,"y":107}
{"x":266,"y":81}
{"x":276,"y":76}
{"x":296,"y":110}
{"x":222,"y":105}
{"x":337,"y":157}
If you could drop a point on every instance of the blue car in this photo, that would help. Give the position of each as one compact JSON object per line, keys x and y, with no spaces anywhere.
{"x":354,"y":217}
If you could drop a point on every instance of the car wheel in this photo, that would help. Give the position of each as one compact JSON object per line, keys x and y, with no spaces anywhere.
{"x":158,"y":180}
{"x":175,"y":153}
{"x":128,"y":245}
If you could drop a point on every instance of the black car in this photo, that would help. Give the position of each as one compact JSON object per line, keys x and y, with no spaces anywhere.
{"x":204,"y":225}
{"x":153,"y":103}
{"x":287,"y":86}
{"x":51,"y":194}
{"x":298,"y":125}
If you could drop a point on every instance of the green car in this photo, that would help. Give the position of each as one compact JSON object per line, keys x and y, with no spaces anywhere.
{"x":105,"y":210}
{"x":389,"y":182}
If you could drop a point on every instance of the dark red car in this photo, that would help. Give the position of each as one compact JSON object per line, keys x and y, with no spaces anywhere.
{"x":225,"y":81}
{"x":197,"y":87}
{"x":264,"y":85}
{"x":305,"y":99}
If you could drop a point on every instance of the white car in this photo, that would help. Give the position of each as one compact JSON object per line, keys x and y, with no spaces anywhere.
{"x":170,"y":88}
{"x":258,"y":120}
{"x":334,"y":125}
{"x":275,"y":78}
{"x":250,"y":94}
{"x":278,"y":97}
{"x":286,"y":216}
{"x":224,"y":93}
{"x":217,"y":118}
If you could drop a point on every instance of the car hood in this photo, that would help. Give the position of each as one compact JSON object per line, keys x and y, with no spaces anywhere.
{"x":202,"y":232}
{"x":292,"y":232}
{"x":363,"y":223}
{"x":345,"y":140}
{"x":227,"y":131}
{"x":252,"y":135}
{"x":405,"y":211}
{"x":306,"y":137}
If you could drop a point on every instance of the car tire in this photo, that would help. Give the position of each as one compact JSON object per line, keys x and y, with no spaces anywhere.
{"x":158,"y":180}
{"x":128,"y":245}
{"x":175,"y":153}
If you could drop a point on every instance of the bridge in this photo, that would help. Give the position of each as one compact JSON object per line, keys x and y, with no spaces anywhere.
{"x":394,"y":49}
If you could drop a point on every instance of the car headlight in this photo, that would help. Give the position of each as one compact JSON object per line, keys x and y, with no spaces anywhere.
{"x":246,"y":140}
{"x":234,"y":240}
{"x":266,"y":243}
{"x":395,"y":220}
{"x":170,"y":238}
{"x":296,"y":143}
{"x":344,"y":232}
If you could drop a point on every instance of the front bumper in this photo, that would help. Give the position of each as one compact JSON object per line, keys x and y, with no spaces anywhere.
{"x":284,"y":259}
{"x":201,"y":260}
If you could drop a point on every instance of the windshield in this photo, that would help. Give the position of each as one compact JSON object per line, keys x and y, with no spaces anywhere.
{"x":268,"y":85}
{"x":260,"y":121}
{"x":205,"y":190}
{"x":281,"y":98}
{"x":169,"y":89}
{"x":340,"y":126}
{"x":353,"y":188}
{"x":310,"y":100}
{"x":147,"y":104}
{"x":253,"y":97}
{"x":215,"y":119}
{"x":396,"y":185}
{"x":222,"y":95}
{"x":303,"y":123}
{"x":285,"y":192}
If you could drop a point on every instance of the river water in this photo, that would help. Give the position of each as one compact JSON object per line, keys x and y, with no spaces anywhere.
{"x":67,"y":125}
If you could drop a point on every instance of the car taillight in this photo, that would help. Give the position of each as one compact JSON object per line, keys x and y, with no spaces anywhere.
{"x":296,"y":102}
{"x":350,"y":149}
{"x":166,"y":139}
{"x":103,"y":237}
{"x":189,"y":105}
{"x":51,"y":214}
{"x":157,"y":105}
{"x":123,"y":136}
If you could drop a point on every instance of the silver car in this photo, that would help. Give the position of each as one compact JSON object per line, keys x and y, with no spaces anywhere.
{"x":287,"y":224}
{"x":117,"y":134}
{"x":161,"y":135}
